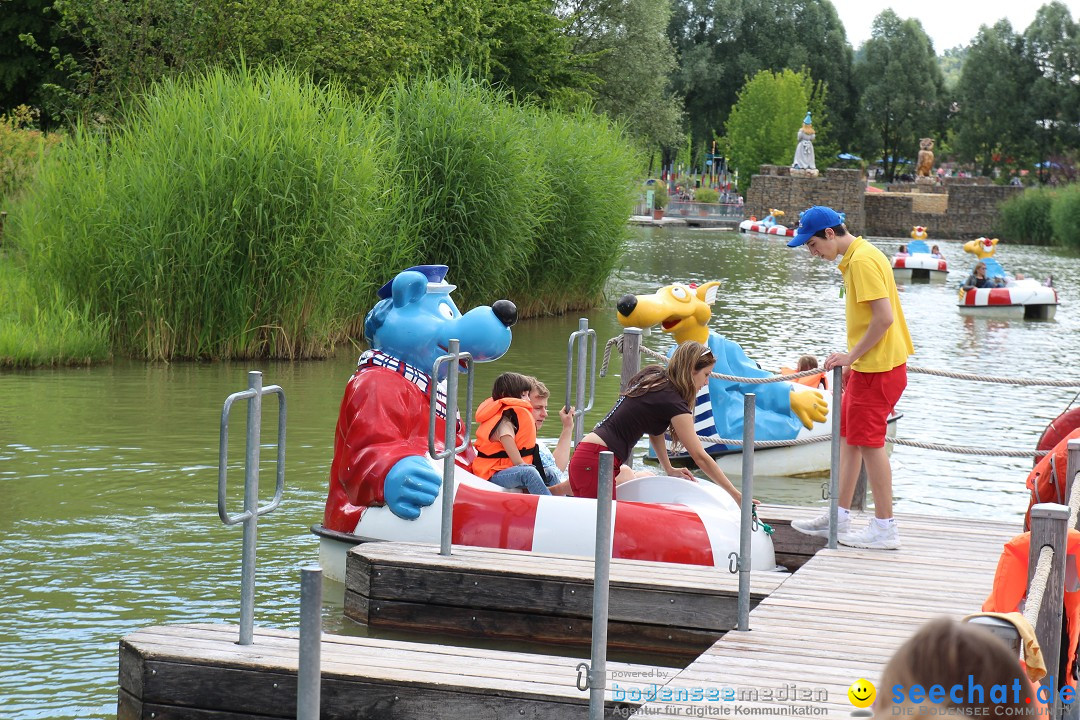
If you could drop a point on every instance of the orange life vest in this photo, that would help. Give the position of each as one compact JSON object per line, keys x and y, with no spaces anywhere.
{"x":813,"y":381}
{"x":491,"y":456}
{"x":1047,"y":481}
{"x":1010,"y":587}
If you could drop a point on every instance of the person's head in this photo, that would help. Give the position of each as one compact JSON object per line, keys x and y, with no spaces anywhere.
{"x":945,"y":652}
{"x":820,"y":229}
{"x":807,"y":362}
{"x":980,"y":269}
{"x":538,"y":398}
{"x":687,"y":371}
{"x":935,"y":250}
{"x":903,"y":248}
{"x":510,"y":385}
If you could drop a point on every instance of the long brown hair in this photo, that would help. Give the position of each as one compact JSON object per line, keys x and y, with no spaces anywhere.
{"x":688,"y":358}
{"x":945,"y":652}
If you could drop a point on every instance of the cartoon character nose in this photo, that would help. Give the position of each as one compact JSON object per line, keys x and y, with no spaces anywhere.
{"x":626,"y":305}
{"x":506,"y":311}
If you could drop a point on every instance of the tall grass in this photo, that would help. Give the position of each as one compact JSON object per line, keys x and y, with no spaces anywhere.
{"x":49,"y":330}
{"x":1025,"y":218}
{"x":470,"y":190}
{"x":232,"y":215}
{"x":1065,"y":216}
{"x":591,"y":178}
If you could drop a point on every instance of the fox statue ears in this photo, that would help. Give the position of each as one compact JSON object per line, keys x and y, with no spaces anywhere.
{"x":706,"y":292}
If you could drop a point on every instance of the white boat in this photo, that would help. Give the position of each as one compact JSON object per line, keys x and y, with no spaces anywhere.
{"x":918,"y":265}
{"x":764,"y":227}
{"x":808,"y":460}
{"x":1023,"y":299}
{"x":700,"y":524}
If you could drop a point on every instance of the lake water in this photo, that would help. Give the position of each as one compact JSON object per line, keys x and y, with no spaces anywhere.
{"x":108,"y":475}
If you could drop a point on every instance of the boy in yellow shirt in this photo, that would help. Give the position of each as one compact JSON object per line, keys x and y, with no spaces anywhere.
{"x":875,"y":373}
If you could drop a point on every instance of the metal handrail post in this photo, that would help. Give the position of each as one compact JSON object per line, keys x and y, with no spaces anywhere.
{"x":450,"y":449}
{"x":252,"y":511}
{"x":309,"y":672}
{"x":251,"y":507}
{"x":601,"y":576}
{"x":583,"y":349}
{"x":631,"y":356}
{"x":834,"y":460}
{"x":583,"y":335}
{"x":747,"y":506}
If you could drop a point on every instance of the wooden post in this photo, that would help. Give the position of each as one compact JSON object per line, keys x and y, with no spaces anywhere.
{"x":631,"y":356}
{"x":1049,"y":526}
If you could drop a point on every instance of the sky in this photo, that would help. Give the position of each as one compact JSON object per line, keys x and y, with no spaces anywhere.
{"x":948,"y":22}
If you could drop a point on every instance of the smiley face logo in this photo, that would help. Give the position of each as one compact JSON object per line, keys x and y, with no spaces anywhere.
{"x":861,"y":693}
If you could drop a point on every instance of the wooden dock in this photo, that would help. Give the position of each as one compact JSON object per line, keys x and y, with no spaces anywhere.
{"x":814,"y":632}
{"x":841,"y":616}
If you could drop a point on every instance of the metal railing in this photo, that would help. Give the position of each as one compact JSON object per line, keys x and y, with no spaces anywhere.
{"x":448,"y":454}
{"x":252,"y":511}
{"x":583,"y":340}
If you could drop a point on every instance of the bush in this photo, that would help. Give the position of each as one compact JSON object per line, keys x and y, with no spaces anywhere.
{"x":660,"y":193}
{"x":590,"y":178}
{"x":21,"y":149}
{"x":1025,"y":218}
{"x":232,"y":215}
{"x":470,"y":190}
{"x":1065,"y":216}
{"x":706,"y":195}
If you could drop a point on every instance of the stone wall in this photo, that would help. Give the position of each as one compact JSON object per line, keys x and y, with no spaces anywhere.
{"x":969,"y":211}
{"x":952,"y":210}
{"x":777,"y":188}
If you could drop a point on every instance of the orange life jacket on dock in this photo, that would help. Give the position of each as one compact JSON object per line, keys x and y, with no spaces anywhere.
{"x":491,"y":456}
{"x":1010,"y":588}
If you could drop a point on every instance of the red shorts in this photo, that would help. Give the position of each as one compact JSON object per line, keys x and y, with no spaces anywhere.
{"x":869,"y":399}
{"x":585,"y":468}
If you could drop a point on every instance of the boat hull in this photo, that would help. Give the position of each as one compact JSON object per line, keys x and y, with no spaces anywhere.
{"x":1020,"y":300}
{"x":751,"y":226}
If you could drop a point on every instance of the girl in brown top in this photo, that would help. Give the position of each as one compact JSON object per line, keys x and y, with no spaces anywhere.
{"x":656,"y":400}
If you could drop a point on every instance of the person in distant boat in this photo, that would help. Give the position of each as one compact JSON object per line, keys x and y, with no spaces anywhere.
{"x":902,"y":251}
{"x":965,"y":660}
{"x":978,"y":279}
{"x":656,"y":400}
{"x":555,"y":463}
{"x":807,"y":362}
{"x":506,"y":435}
{"x":875,"y":373}
{"x":935,"y":252}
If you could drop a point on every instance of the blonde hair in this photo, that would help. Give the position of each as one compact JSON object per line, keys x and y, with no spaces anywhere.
{"x":945,"y":652}
{"x":539,"y":388}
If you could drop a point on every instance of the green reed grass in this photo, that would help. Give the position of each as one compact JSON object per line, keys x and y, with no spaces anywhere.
{"x":591,"y":172}
{"x":1025,"y":218}
{"x":49,"y":330}
{"x":1065,"y":216}
{"x":232,"y":215}
{"x":470,"y":190}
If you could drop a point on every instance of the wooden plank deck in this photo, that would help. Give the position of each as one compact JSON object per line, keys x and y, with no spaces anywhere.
{"x":839,"y":619}
{"x":677,"y":611}
{"x":198,"y":672}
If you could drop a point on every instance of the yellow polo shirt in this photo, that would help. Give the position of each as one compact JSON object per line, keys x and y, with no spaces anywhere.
{"x":868,"y":276}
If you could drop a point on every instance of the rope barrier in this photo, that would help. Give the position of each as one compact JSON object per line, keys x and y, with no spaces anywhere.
{"x":1037,"y":587}
{"x":939,"y":447}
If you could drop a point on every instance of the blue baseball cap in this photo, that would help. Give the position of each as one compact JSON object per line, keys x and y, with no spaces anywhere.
{"x":812,"y":221}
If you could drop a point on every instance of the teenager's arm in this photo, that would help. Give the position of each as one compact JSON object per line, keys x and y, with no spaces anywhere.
{"x":562,"y":448}
{"x":881,"y":319}
{"x":684,"y":425}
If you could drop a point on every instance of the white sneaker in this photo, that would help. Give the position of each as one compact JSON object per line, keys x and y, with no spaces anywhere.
{"x":873,"y":538}
{"x":819,"y":526}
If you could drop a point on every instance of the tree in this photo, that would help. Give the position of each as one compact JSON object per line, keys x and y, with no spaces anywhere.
{"x":1052,"y":42}
{"x":901,"y":87}
{"x":628,"y":50}
{"x":764,"y":122}
{"x":722,"y":43}
{"x":995,"y":118}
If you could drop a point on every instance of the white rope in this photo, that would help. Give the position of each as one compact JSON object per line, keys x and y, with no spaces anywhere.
{"x":970,"y":450}
{"x":1037,"y":587}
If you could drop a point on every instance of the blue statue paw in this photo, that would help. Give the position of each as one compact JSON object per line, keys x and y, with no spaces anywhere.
{"x":411,"y":485}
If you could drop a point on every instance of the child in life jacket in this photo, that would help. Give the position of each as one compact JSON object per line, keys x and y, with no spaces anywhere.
{"x":506,"y":446}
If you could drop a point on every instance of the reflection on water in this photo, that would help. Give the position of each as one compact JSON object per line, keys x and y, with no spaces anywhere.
{"x":108,"y":475}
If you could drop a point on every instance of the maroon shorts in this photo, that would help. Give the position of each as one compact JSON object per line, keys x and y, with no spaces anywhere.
{"x":585,"y":468}
{"x":869,"y":399}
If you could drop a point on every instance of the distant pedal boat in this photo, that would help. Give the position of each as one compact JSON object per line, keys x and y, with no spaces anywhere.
{"x":762,"y":228}
{"x":1026,"y":299}
{"x":919,"y":265}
